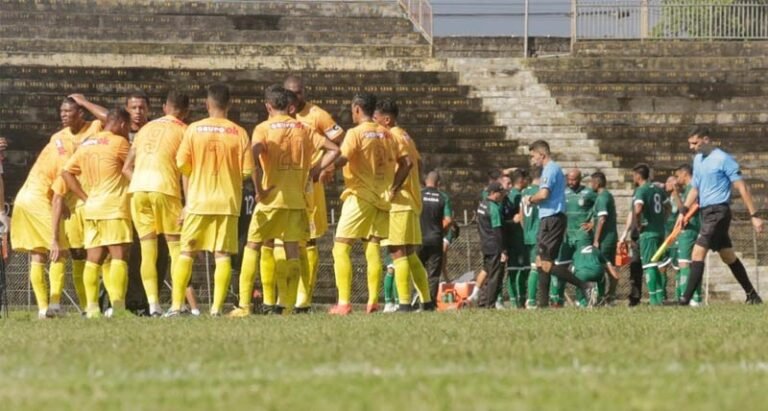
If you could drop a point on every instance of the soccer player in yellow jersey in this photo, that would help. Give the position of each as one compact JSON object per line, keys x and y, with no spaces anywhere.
{"x":404,"y":217}
{"x":321,"y":121}
{"x":156,"y":189}
{"x":99,"y":162}
{"x":38,"y":226}
{"x":375,"y":166}
{"x":215,"y":155}
{"x":75,"y":130}
{"x":283,"y":148}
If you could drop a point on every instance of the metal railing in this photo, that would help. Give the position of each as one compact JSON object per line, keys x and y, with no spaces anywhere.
{"x":420,"y":14}
{"x":670,"y":19}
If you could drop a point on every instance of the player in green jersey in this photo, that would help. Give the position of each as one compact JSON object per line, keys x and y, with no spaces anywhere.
{"x":518,"y":263}
{"x":648,"y":217}
{"x":603,"y":227}
{"x":687,"y":238}
{"x":589,"y":265}
{"x":579,"y":201}
{"x":529,"y":216}
{"x":670,"y":258}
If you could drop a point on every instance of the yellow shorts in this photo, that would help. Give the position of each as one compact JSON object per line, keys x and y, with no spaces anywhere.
{"x":74,"y":226}
{"x":101,"y":233}
{"x":318,"y":213}
{"x":278,"y":224}
{"x":404,"y":228}
{"x":213,"y":233}
{"x":361,"y":219}
{"x":156,"y":213}
{"x":32,"y":231}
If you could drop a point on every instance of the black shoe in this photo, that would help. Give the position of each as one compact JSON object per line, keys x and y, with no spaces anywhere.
{"x":267,"y":309}
{"x":682,"y":302}
{"x":753,"y":298}
{"x":634,"y":302}
{"x":404,"y":308}
{"x":430,"y":306}
{"x":302,"y":310}
{"x":278,"y":310}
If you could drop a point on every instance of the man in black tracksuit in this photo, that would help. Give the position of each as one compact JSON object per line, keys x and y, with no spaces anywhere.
{"x":489,"y":225}
{"x":436,"y":216}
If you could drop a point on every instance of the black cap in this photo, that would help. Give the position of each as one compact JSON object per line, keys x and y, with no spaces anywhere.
{"x":495,"y":187}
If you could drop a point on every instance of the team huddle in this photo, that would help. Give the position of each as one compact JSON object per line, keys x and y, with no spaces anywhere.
{"x":96,"y":182}
{"x":100,"y":187}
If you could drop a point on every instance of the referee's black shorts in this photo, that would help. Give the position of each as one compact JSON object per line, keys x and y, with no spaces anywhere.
{"x":715,"y":223}
{"x":551,"y":236}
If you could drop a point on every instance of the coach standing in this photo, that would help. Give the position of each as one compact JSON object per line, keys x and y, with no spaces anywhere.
{"x":551,"y":202}
{"x":714,"y":173}
{"x":436,"y":216}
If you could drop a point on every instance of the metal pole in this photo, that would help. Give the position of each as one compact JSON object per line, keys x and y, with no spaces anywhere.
{"x":525,"y":30}
{"x":706,"y":281}
{"x":757,"y":262}
{"x":208,"y":277}
{"x":644,"y":19}
{"x":574,"y":8}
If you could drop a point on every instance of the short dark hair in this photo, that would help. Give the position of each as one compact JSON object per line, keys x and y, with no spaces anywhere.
{"x":71,"y":101}
{"x":178,"y":100}
{"x":494,"y":174}
{"x":599,"y":176}
{"x":519,"y":174}
{"x":366,"y":102}
{"x":219,"y":94}
{"x":535,"y":173}
{"x":388,"y":106}
{"x":643,"y":169}
{"x":540,"y":146}
{"x":701,"y":131}
{"x":119,"y":114}
{"x":276,"y":96}
{"x":685,"y":167}
{"x":139,"y":94}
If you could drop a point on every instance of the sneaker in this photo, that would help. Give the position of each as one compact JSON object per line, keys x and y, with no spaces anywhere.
{"x":92,"y":314}
{"x":108,"y":312}
{"x":340,"y":309}
{"x":239,"y":312}
{"x":155,"y":314}
{"x":682,"y":302}
{"x":44,"y":315}
{"x":172,"y":313}
{"x":500,"y":305}
{"x":430,"y":306}
{"x":302,"y":310}
{"x":404,"y":308}
{"x":371,"y":308}
{"x":390,"y":308}
{"x":215,"y":313}
{"x":753,"y":298}
{"x":530,"y":305}
{"x":195,"y":312}
{"x":694,"y":303}
{"x":591,"y":295}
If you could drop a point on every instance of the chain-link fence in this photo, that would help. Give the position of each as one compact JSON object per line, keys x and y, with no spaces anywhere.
{"x":464,"y":256}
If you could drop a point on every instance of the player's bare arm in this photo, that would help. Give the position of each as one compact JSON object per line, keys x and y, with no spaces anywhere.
{"x":98,"y":111}
{"x":58,"y":211}
{"x":74,"y":185}
{"x":404,"y":165}
{"x":129,"y":163}
{"x":330,"y":154}
{"x":746,"y":196}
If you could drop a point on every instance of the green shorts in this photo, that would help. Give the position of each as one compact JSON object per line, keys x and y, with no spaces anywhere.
{"x":565,"y":256}
{"x":649,"y":244}
{"x":518,"y":256}
{"x":608,"y":249}
{"x":685,"y":243}
{"x":670,"y":258}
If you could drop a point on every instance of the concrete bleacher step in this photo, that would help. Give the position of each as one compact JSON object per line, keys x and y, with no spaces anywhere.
{"x":614,"y":63}
{"x":642,"y":76}
{"x":688,"y":90}
{"x":609,"y":118}
{"x":663,"y":104}
{"x":667,"y":48}
{"x":348,"y":8}
{"x":159,"y":47}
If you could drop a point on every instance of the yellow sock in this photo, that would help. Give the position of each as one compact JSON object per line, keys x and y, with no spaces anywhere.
{"x":313,"y":260}
{"x":77,"y":279}
{"x":118,"y":270}
{"x":420,"y":277}
{"x":149,"y":270}
{"x":221,"y":277}
{"x":174,"y":251}
{"x":373,"y":260}
{"x":56,"y":274}
{"x":248,"y":272}
{"x":291,"y":273}
{"x":91,"y":284}
{"x":182,"y":272}
{"x":281,"y":280}
{"x":304,"y":289}
{"x":107,"y":278}
{"x":403,"y":279}
{"x":37,"y":278}
{"x":342,"y":269}
{"x":267,"y":263}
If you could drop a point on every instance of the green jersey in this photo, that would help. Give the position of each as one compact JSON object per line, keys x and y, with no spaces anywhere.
{"x":605,"y":206}
{"x":652,"y":199}
{"x":530,"y":217}
{"x":588,"y":264}
{"x":694,"y":224}
{"x":669,"y":225}
{"x":578,"y":208}
{"x":512,"y":230}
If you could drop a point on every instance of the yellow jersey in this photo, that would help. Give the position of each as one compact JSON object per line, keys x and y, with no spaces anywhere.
{"x":215,"y":154}
{"x":72,"y":142}
{"x":99,"y":164}
{"x":286,"y":157}
{"x":155,"y":147}
{"x":409,"y":196}
{"x":44,"y":179}
{"x":371,"y":154}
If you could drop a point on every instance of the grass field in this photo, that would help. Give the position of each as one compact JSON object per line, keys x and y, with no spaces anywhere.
{"x":712,"y":358}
